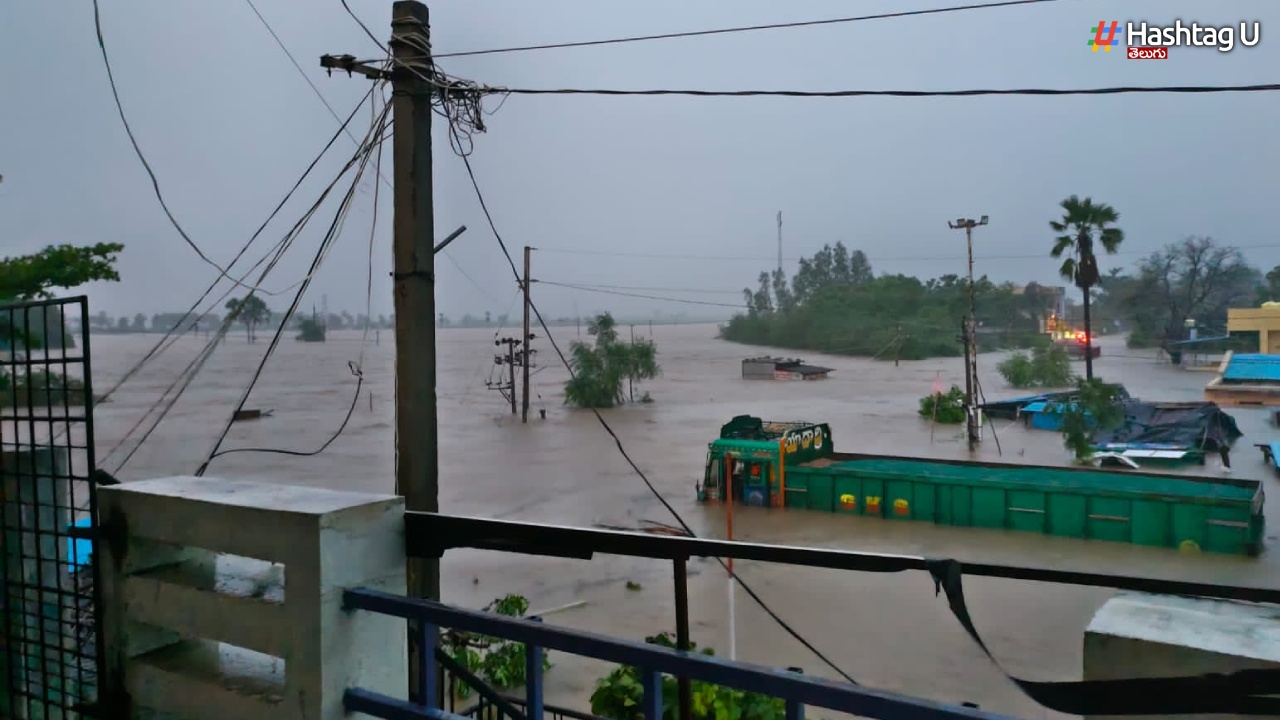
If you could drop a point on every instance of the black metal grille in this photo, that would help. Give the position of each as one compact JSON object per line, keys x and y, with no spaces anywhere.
{"x":48,"y":637}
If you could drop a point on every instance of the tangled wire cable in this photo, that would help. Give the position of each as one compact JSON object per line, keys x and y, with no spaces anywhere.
{"x":457,"y":100}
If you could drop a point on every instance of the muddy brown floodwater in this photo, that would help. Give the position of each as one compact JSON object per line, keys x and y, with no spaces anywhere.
{"x":887,"y":631}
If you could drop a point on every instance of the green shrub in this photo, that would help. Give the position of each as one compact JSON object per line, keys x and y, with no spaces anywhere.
{"x":1097,"y":406}
{"x":620,"y":696}
{"x":946,"y":408}
{"x":1017,"y":370}
{"x":1047,"y":366}
{"x":501,"y":663}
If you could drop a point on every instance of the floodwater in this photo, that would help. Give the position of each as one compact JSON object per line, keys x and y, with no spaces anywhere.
{"x":887,"y":631}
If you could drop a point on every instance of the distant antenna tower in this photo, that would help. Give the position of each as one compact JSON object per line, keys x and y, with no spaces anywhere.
{"x":779,"y":241}
{"x":324,"y":310}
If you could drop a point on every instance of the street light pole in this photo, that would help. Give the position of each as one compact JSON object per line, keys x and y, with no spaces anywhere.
{"x":971,"y":336}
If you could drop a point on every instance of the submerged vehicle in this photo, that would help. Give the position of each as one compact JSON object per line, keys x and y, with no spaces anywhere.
{"x":1076,"y":345}
{"x":794,"y":465}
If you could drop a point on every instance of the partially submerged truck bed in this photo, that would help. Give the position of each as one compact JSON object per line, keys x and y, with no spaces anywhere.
{"x":1158,"y":509}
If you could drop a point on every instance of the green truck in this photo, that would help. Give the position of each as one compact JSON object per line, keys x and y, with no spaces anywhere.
{"x":794,"y":465}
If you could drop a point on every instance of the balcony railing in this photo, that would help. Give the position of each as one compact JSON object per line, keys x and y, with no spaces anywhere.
{"x":322,"y":632}
{"x":797,"y":690}
{"x":432,"y":534}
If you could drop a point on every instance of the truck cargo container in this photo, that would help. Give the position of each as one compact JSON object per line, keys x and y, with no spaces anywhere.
{"x":794,"y":465}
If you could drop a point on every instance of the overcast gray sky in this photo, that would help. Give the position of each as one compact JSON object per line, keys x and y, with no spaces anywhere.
{"x":228,"y":124}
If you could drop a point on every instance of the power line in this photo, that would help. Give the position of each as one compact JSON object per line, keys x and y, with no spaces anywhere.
{"x":467,"y":275}
{"x":584,"y":288}
{"x":292,"y":59}
{"x":142,"y":158}
{"x":189,"y":373}
{"x":1123,"y":90}
{"x":357,"y":367}
{"x":373,"y":141}
{"x":171,"y":335}
{"x":364,"y":27}
{"x":623,"y":451}
{"x":307,"y":78}
{"x":747,"y":28}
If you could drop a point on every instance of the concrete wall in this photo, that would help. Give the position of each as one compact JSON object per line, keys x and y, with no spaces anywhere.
{"x":1263,"y":320}
{"x":1138,"y":635}
{"x":222,"y":598}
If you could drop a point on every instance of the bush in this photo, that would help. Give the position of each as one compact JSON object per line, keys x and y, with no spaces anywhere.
{"x":501,"y":663}
{"x":1046,"y":366}
{"x":312,"y":330}
{"x":620,"y":695}
{"x":1097,"y":405}
{"x":946,"y":408}
{"x":1016,"y":370}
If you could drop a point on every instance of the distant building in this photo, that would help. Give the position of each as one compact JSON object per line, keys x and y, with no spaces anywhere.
{"x":1263,"y":321}
{"x":1053,"y":303}
{"x":771,"y":368}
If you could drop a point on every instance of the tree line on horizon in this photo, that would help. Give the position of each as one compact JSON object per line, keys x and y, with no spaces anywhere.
{"x":835,"y":303}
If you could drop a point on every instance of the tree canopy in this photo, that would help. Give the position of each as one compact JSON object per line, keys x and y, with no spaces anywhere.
{"x":1085,"y":228}
{"x":32,"y":277}
{"x":1197,"y":279}
{"x":600,"y":370}
{"x":250,"y":312}
{"x":836,"y":304}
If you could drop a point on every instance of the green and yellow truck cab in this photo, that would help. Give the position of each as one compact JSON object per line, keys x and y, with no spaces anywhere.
{"x":795,"y":465}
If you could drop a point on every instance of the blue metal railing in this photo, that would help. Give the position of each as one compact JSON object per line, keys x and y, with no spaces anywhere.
{"x":654,"y":661}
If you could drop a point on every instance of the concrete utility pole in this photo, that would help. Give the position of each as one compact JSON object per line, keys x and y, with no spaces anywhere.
{"x":631,"y":389}
{"x":971,"y":337}
{"x":779,"y":241}
{"x":526,"y":359}
{"x":510,"y":360}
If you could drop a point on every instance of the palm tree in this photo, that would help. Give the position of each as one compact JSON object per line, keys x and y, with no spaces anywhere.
{"x":1083,"y":226}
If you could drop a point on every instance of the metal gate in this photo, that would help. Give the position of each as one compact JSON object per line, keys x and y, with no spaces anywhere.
{"x":49,"y":641}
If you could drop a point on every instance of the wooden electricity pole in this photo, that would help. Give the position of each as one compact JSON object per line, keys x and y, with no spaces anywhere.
{"x":527,"y":358}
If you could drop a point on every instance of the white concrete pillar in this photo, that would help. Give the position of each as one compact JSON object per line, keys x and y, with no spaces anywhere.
{"x":1138,"y":635}
{"x":222,"y":598}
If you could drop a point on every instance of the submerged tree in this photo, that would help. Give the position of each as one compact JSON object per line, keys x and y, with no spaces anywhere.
{"x":250,"y":311}
{"x":1084,"y":226}
{"x":601,"y":370}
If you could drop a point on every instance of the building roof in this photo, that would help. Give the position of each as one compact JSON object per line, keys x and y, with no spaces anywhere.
{"x":803,"y":369}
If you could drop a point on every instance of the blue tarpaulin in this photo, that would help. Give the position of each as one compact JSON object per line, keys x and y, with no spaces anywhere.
{"x":79,"y":549}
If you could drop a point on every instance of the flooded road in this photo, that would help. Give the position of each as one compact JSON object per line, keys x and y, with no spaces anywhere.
{"x":887,"y":631}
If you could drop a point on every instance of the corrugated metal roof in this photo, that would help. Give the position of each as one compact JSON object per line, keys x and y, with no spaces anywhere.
{"x":1253,"y":367}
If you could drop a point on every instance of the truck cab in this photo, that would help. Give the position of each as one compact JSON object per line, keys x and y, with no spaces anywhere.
{"x":747,"y":463}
